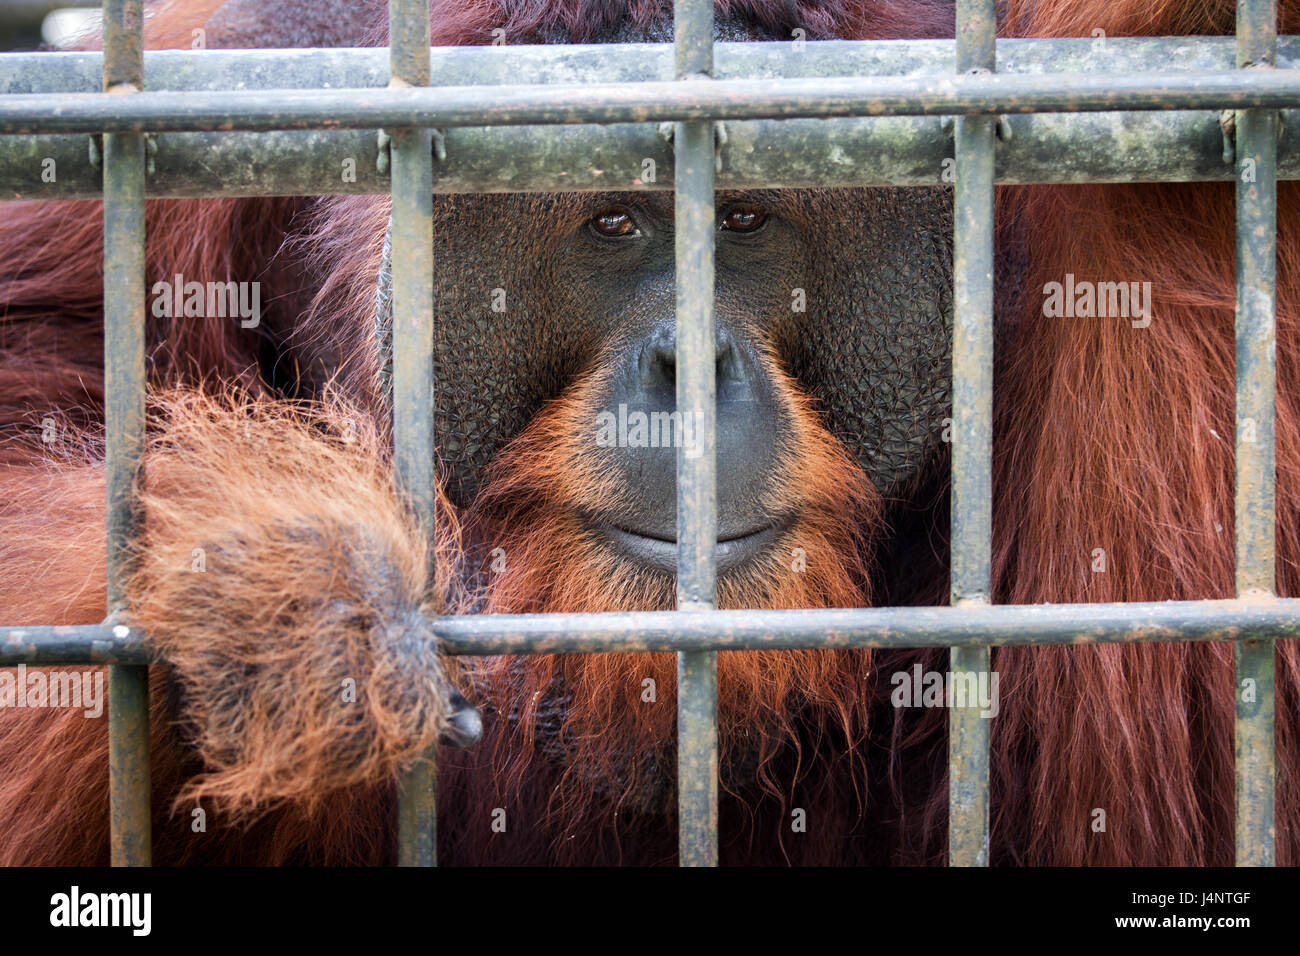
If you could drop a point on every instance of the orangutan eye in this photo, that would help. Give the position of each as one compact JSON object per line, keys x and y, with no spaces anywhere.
{"x":614,"y":222}
{"x":744,"y":219}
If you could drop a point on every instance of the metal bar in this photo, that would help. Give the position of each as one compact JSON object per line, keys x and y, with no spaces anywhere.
{"x":980,"y":625}
{"x":408,"y":43}
{"x":762,"y":154}
{"x":997,"y":625}
{"x":692,"y":100}
{"x":556,"y":64}
{"x":697,"y":512}
{"x":124,"y":192}
{"x":412,"y":238}
{"x":124,"y":404}
{"x":83,"y":644}
{"x":1255,"y":505}
{"x":1053,"y":147}
{"x":972,"y":439}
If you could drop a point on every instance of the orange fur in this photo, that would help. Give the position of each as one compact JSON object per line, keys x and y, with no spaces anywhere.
{"x":296,"y":624}
{"x":1121,"y":438}
{"x":319,"y":576}
{"x":1106,"y":437}
{"x":614,"y":745}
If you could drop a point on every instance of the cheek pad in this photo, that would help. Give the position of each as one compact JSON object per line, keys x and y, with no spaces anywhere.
{"x":875,"y":346}
{"x":872,"y":346}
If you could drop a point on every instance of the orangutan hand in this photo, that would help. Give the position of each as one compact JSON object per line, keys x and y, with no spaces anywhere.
{"x":289,"y":590}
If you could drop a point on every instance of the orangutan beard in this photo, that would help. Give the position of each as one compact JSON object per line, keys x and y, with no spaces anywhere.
{"x":609,"y":720}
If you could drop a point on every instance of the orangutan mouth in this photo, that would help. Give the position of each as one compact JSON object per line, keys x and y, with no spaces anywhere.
{"x":659,"y":553}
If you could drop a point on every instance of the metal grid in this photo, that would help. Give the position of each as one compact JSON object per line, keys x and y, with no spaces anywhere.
{"x":981,"y":100}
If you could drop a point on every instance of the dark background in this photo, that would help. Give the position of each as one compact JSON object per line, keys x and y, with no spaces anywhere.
{"x":21,"y":22}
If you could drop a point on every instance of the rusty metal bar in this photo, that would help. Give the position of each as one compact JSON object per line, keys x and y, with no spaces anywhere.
{"x":807,"y":154}
{"x":558,"y":65}
{"x":1255,"y":505}
{"x":697,"y":508}
{"x":972,"y":436}
{"x":73,"y":644}
{"x":412,"y":258}
{"x":124,"y":403}
{"x":689,"y":100}
{"x":1051,"y":147}
{"x":696,"y":631}
{"x":996,"y":625}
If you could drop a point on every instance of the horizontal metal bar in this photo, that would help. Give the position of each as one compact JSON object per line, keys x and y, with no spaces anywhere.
{"x":74,"y":644}
{"x":680,"y":101}
{"x":901,"y":151}
{"x":559,"y":64}
{"x":993,"y":625}
{"x":905,"y":151}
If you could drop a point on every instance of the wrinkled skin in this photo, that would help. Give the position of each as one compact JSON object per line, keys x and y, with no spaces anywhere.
{"x":830,"y":428}
{"x":834,"y":305}
{"x":848,"y":292}
{"x":873,"y":345}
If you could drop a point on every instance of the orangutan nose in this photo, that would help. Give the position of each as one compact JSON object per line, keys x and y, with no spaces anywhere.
{"x":641,"y":411}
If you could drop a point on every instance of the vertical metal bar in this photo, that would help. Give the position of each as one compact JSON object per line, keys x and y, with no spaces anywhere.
{"x":972,"y":440}
{"x":697,"y":513}
{"x":124,"y":383}
{"x":1256,"y":323}
{"x":412,"y":265}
